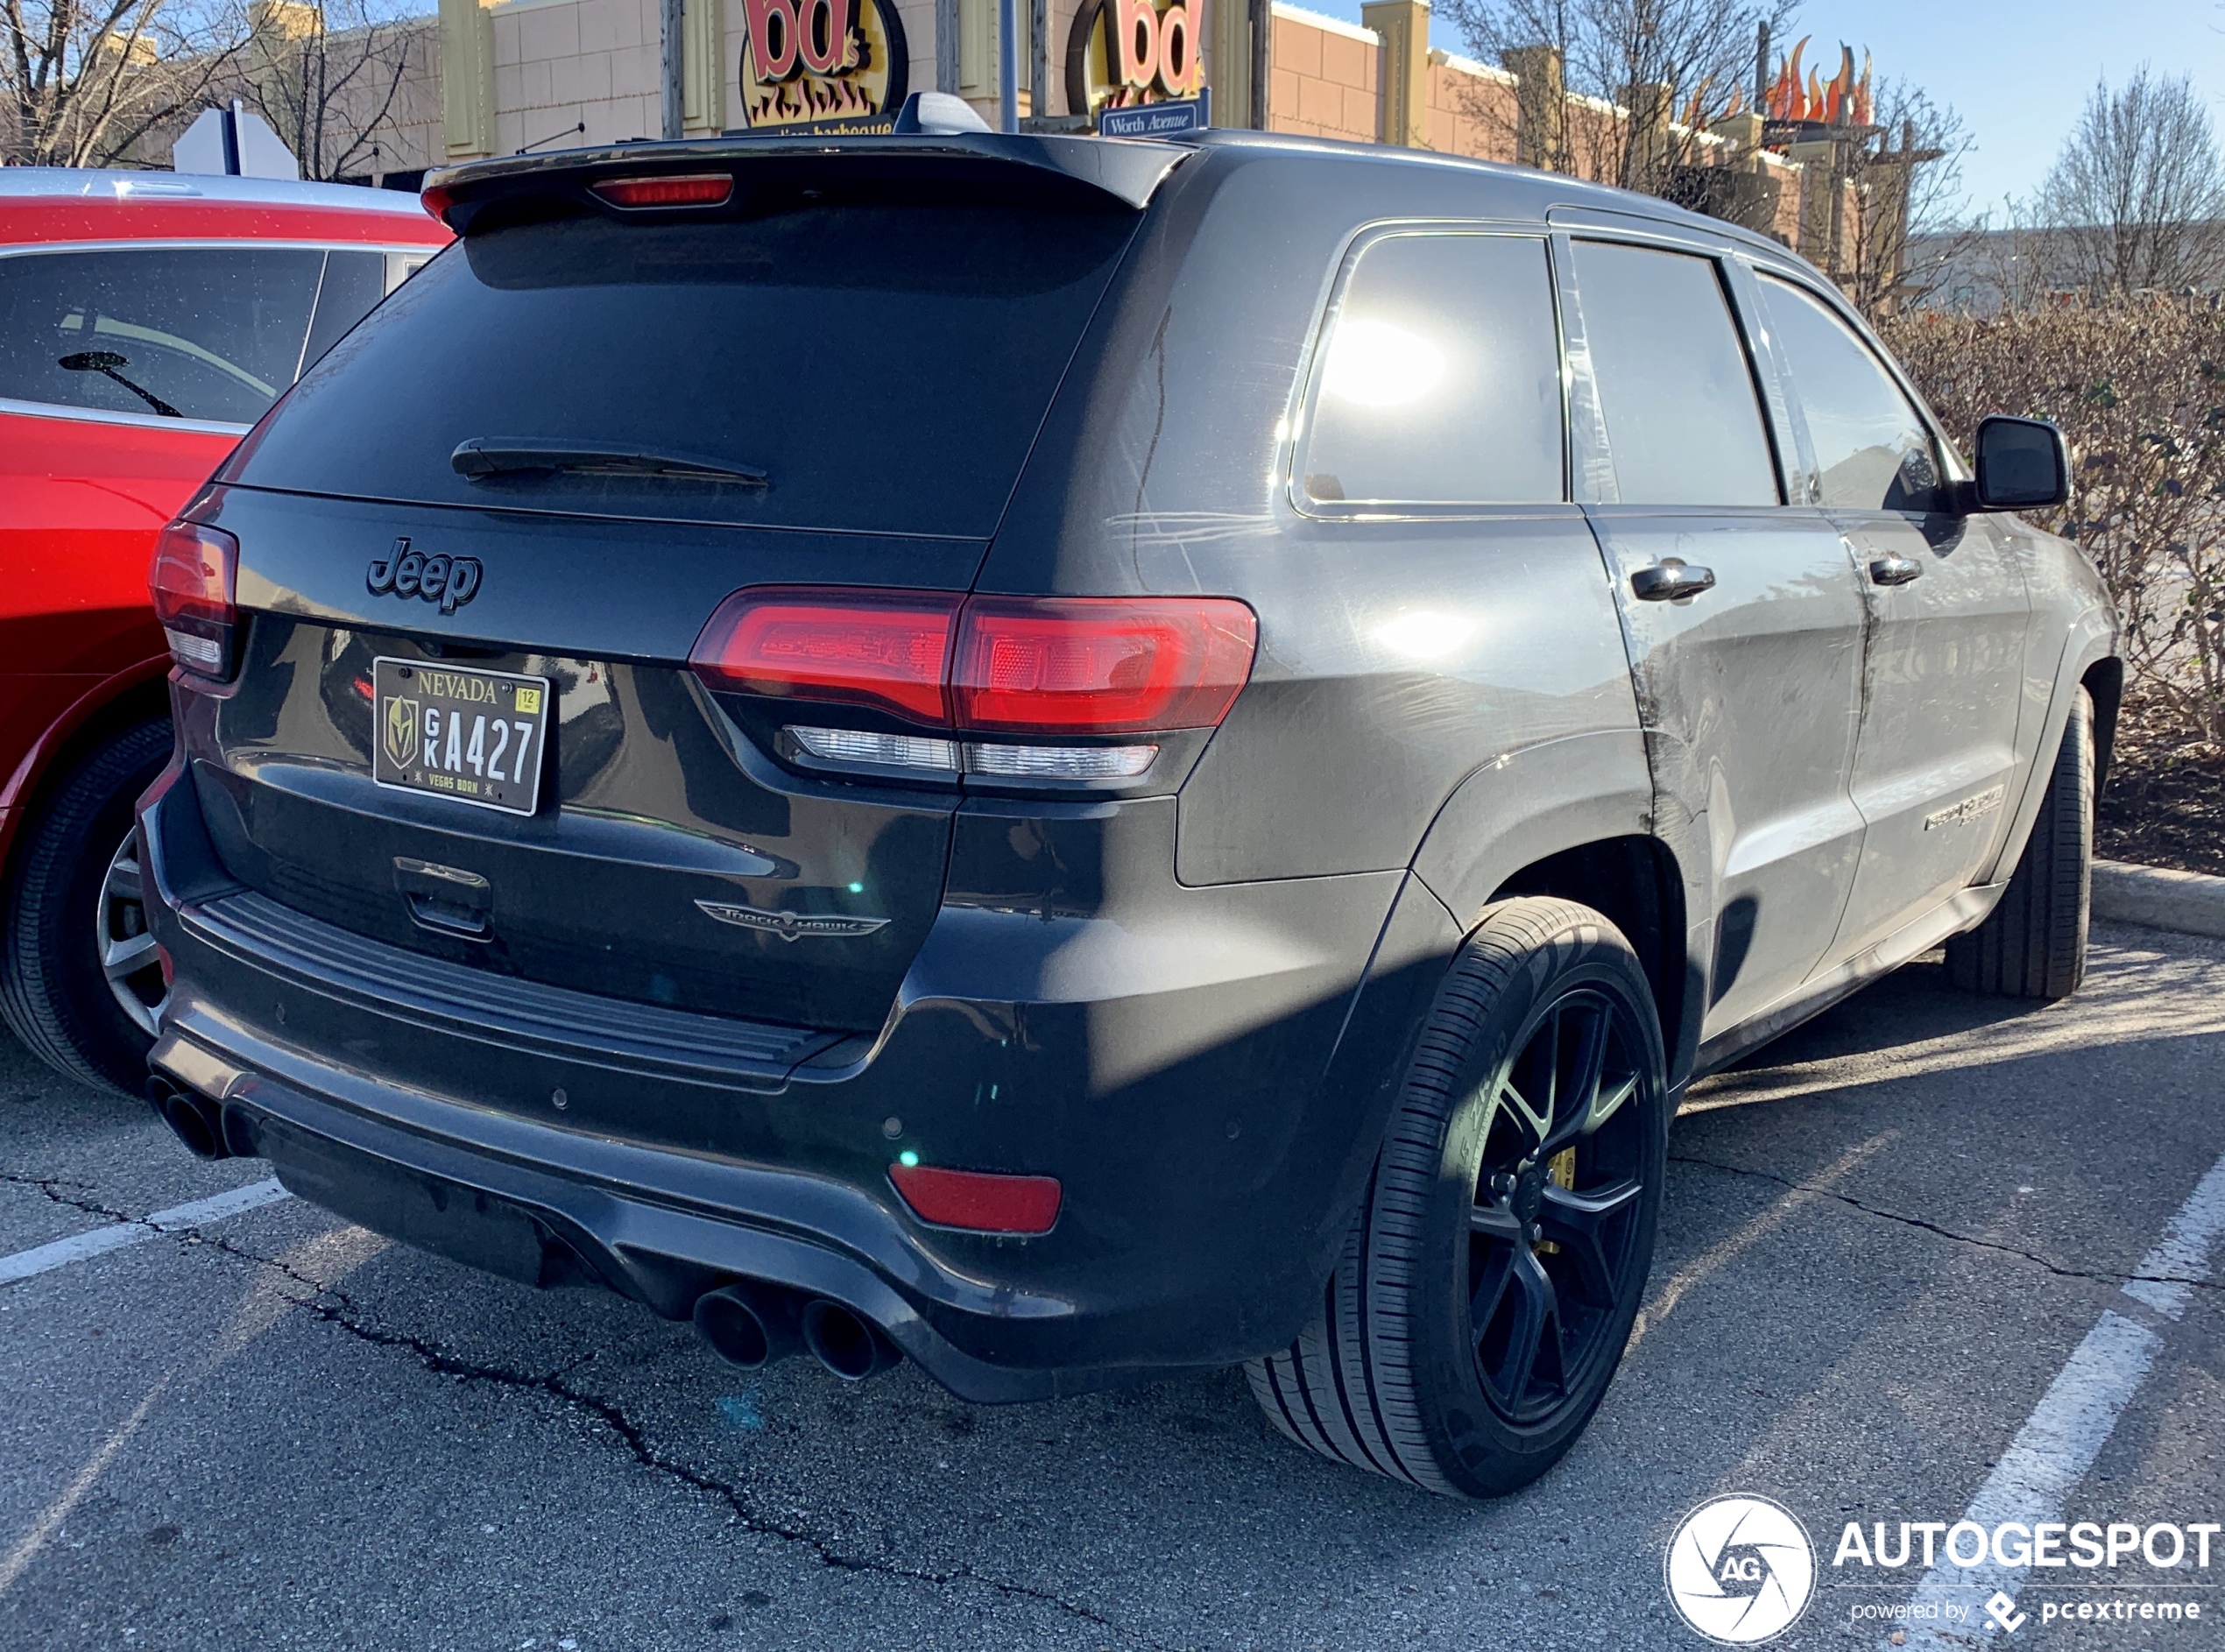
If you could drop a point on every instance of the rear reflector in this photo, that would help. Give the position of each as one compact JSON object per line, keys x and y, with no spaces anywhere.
{"x":976,"y":1199}
{"x":889,"y":649}
{"x":1101,"y":665}
{"x":1031,"y":665}
{"x":194,"y":580}
{"x":692,"y":189}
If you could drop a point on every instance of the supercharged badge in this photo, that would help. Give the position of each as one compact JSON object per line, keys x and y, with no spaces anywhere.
{"x":789,"y":926}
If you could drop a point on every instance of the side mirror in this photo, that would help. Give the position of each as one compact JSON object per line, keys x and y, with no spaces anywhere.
{"x":2023,"y":465}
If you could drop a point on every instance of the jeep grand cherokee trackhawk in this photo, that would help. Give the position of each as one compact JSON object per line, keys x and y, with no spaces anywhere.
{"x":1082,"y":758}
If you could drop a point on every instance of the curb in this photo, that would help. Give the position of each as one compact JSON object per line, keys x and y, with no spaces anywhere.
{"x":2190,"y":902}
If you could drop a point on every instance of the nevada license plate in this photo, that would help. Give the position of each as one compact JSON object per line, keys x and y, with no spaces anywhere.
{"x":457,"y":731}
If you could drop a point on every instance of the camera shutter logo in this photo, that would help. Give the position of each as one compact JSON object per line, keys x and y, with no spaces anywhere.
{"x":1740,"y":1569}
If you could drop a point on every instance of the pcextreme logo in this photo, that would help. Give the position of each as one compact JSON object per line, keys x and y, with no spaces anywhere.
{"x":1740,"y":1569}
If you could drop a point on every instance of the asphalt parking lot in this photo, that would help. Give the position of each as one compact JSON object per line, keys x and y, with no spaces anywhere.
{"x":1885,"y":1237}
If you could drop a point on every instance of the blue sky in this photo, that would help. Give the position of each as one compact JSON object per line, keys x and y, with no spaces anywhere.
{"x":2018,"y":73}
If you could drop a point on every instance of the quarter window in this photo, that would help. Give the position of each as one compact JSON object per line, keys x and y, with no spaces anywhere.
{"x":1683,"y":423}
{"x":1438,"y":382}
{"x":1872,"y":449}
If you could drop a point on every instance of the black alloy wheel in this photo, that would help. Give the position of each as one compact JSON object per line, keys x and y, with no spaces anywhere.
{"x":1490,"y":1278}
{"x":1554,"y":1230}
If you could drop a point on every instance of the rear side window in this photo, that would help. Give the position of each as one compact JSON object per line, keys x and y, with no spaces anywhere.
{"x":1438,"y":382}
{"x":202,"y":333}
{"x":1872,"y":450}
{"x":1683,"y":423}
{"x":884,"y":361}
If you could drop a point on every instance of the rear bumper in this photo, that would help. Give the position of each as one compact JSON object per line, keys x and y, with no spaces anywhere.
{"x":552,"y":1222}
{"x":1206,"y":1076}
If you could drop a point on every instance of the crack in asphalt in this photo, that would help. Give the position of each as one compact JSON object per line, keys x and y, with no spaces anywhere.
{"x":336,"y":1307}
{"x":52,"y":1186}
{"x":1928,"y":1226}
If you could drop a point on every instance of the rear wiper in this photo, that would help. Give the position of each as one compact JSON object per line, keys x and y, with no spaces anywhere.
{"x":105,"y":361}
{"x":483,"y":456}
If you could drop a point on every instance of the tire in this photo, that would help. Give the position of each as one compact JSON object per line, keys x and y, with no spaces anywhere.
{"x":74,"y":906}
{"x":2033,"y":943}
{"x":1416,"y":1364}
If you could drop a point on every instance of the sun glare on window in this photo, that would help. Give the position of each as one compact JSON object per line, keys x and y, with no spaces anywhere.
{"x":1378,"y":365}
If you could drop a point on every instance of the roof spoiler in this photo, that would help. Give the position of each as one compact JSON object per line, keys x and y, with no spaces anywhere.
{"x":1124,"y":170}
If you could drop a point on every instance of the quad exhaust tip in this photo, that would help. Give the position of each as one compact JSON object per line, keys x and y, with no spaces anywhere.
{"x":194,"y":1119}
{"x":751,"y":1325}
{"x":847,"y":1344}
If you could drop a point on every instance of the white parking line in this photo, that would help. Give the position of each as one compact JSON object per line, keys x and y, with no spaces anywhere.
{"x":78,"y":1246}
{"x":2074,"y":1418}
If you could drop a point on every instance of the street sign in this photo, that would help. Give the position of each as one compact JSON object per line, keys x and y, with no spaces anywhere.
{"x":1157,"y":120}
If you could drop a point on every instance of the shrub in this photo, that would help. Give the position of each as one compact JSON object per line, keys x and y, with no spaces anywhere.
{"x":2138,"y":388}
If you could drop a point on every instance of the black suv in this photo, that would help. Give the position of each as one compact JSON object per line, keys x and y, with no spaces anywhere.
{"x":1080,"y":759}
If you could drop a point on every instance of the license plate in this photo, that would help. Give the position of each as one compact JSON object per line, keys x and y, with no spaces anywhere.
{"x":457,"y":731}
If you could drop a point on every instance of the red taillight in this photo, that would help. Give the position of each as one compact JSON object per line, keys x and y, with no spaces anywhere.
{"x":1047,"y":665}
{"x":436,"y":203}
{"x":889,"y":649}
{"x":195,"y":581}
{"x":692,"y":189}
{"x":985,"y":1202}
{"x":1100,"y":664}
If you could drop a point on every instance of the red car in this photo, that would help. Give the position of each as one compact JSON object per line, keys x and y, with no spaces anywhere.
{"x":146,"y":320}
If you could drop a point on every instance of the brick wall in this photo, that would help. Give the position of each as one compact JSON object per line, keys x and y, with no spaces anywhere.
{"x":1327,"y":77}
{"x":558,"y":62}
{"x":1472,"y":109}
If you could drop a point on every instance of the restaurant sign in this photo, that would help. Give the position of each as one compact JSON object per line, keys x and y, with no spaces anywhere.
{"x":1124,"y":54}
{"x":816,"y":65}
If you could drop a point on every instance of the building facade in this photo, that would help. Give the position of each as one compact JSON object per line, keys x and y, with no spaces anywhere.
{"x":499,"y":77}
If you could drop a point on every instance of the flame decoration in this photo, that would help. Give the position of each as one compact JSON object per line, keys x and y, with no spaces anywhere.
{"x":1843,"y":99}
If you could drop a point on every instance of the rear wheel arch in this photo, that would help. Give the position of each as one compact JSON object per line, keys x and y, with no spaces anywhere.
{"x":139,"y":696}
{"x":1636,"y":883}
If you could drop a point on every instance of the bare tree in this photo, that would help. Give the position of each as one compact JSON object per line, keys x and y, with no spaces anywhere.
{"x":82,"y":80}
{"x":2138,"y":197}
{"x":1907,"y":170}
{"x":326,"y":77}
{"x":1672,"y":64}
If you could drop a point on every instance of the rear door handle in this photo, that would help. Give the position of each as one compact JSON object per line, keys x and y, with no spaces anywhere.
{"x":1670,"y":579}
{"x":1895,"y":569}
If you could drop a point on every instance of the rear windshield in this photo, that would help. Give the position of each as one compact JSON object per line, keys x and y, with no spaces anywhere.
{"x":208,"y":332}
{"x":882,"y":363}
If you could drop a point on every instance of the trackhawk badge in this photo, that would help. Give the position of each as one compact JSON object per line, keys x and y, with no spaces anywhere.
{"x":790,"y":926}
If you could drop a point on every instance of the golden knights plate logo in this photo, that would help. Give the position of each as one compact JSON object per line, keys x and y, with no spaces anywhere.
{"x":401,"y":731}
